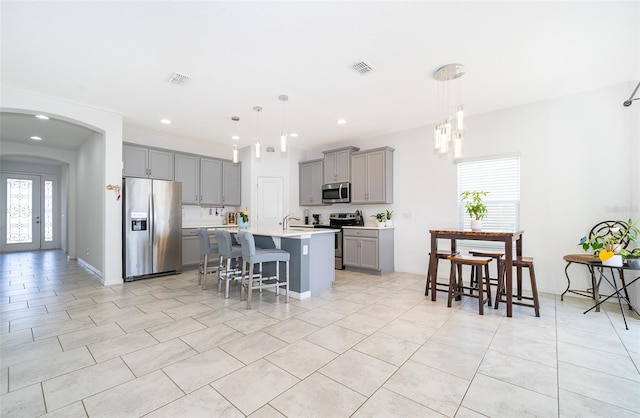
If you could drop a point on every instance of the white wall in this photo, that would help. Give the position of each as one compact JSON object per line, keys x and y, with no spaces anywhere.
{"x":91,"y":198}
{"x":576,"y":170}
{"x":108,"y":124}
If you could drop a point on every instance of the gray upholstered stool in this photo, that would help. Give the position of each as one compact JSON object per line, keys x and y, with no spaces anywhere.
{"x":252,"y":256}
{"x":206,"y":250}
{"x":229,"y":254}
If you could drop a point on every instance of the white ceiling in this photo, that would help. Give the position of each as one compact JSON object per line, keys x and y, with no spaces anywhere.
{"x":117,"y":56}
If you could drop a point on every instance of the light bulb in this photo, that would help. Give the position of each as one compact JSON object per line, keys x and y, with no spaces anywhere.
{"x":436,"y":137}
{"x":258,"y":148}
{"x":460,"y":117}
{"x":283,"y":142}
{"x":457,"y":146}
{"x":235,"y":154}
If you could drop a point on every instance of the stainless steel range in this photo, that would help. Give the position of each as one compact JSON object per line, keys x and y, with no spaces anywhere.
{"x":337,"y":221}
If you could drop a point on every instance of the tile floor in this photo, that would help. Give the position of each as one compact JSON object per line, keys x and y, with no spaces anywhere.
{"x":372,"y":346}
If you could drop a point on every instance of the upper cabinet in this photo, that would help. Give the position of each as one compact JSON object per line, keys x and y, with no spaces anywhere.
{"x":372,"y":176}
{"x":147,"y":162}
{"x":230,"y":184}
{"x":337,"y":165}
{"x":311,"y":183}
{"x":208,"y":181}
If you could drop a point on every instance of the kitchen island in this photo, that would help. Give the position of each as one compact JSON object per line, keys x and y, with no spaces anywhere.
{"x":311,"y":266}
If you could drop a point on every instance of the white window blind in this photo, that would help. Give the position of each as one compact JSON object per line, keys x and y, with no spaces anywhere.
{"x":501,"y":178}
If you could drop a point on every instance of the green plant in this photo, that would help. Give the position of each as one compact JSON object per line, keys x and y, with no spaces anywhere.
{"x":244,"y":215}
{"x":635,"y":253}
{"x":380,"y":217}
{"x":389,"y":214}
{"x":473,"y":204}
{"x":614,"y":237}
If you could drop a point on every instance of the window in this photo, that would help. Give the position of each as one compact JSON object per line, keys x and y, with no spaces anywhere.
{"x":501,"y":178}
{"x":48,"y":210}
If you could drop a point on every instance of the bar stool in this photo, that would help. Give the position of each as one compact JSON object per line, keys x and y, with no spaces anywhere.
{"x":495,"y":255}
{"x":206,"y":249}
{"x":444,"y":287}
{"x":521,"y":262}
{"x":252,"y":256}
{"x":456,"y":287}
{"x":228,"y":253}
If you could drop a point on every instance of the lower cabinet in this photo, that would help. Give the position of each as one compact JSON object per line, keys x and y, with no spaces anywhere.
{"x":368,"y":250}
{"x":191,"y":247}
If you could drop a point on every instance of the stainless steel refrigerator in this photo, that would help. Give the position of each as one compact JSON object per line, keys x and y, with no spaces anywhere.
{"x":152,"y":228}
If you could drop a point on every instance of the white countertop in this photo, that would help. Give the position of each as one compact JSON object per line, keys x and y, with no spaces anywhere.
{"x":367,"y":227}
{"x":291,"y":232}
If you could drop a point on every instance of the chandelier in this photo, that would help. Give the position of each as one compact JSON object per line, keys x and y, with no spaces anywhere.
{"x":448,"y":133}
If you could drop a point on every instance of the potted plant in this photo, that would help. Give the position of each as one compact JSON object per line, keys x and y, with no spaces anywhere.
{"x":608,"y":247}
{"x":388,"y":221}
{"x":474,"y":206}
{"x":632,"y":257}
{"x":380,"y":217}
{"x":243,"y":219}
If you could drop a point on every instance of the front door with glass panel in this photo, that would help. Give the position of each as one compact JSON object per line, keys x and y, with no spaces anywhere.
{"x":21,"y":203}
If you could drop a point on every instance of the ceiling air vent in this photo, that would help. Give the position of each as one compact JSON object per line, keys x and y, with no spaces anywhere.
{"x":179,"y":79}
{"x":363,"y":67}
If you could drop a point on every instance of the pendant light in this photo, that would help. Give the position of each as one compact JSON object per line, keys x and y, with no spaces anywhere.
{"x":449,"y":131}
{"x":257,"y":109}
{"x":283,"y":134}
{"x":235,"y":137}
{"x":235,"y":154}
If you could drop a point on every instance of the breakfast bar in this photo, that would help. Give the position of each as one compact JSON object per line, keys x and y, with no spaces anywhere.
{"x":311,"y":267}
{"x":507,"y":237}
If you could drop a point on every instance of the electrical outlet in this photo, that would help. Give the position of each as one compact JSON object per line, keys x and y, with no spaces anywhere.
{"x":305,"y":249}
{"x":87,"y":252}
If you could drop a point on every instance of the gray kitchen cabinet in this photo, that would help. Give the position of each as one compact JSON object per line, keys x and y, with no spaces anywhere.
{"x":191,"y":247}
{"x":147,"y":162}
{"x":208,"y":181}
{"x":230,"y":183}
{"x":337,"y":165}
{"x":368,"y":250}
{"x":187,"y":171}
{"x":372,"y":176}
{"x":310,"y":176}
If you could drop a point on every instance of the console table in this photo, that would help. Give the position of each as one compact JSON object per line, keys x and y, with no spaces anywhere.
{"x":596,"y":268}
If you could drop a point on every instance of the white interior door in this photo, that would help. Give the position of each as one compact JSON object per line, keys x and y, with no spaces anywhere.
{"x":21,"y":223}
{"x":270,"y":201}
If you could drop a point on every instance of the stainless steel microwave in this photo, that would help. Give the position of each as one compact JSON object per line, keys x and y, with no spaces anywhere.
{"x":336,"y":193}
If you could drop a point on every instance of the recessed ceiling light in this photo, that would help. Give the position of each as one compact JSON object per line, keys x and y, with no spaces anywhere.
{"x":43,"y":117}
{"x":341,"y":121}
{"x":36,"y":138}
{"x":235,"y":137}
{"x":165,"y":121}
{"x":293,"y":135}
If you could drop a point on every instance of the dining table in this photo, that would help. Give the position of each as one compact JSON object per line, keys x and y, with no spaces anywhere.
{"x":454,"y":235}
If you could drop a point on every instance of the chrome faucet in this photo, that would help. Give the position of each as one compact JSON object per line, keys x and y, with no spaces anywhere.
{"x":286,"y":219}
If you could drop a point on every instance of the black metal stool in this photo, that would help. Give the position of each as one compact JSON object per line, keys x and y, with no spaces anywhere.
{"x":456,"y":285}
{"x":522,"y":262}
